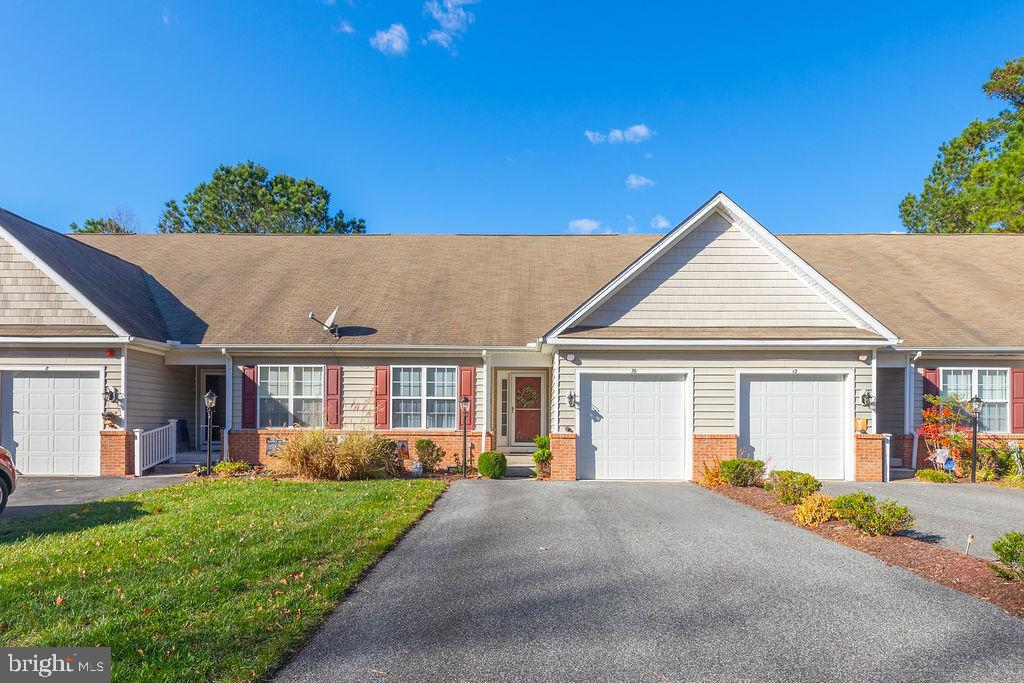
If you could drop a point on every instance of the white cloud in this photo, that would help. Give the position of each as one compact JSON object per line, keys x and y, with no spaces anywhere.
{"x":635,"y":181}
{"x":636,"y":133}
{"x":166,"y":17}
{"x":345,"y":27}
{"x":586,"y":226}
{"x":393,"y":41}
{"x":659,"y":222}
{"x":648,"y":155}
{"x":452,"y":21}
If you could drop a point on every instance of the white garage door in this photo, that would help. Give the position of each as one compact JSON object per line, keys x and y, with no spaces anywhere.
{"x":631,"y":427}
{"x":794,"y":423}
{"x":52,"y":421}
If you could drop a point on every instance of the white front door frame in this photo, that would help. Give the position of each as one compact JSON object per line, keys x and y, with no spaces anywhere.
{"x":687,"y":377}
{"x":848,"y":408}
{"x":201,"y":407}
{"x":512,"y":404}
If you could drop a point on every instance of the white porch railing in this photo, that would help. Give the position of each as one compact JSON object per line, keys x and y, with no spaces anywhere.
{"x":155,"y":446}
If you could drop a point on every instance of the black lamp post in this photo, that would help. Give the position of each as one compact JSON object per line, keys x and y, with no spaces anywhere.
{"x":210,"y":399}
{"x":464,"y":412}
{"x":976,"y":404}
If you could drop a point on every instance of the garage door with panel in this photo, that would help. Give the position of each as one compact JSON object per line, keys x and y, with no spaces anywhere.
{"x":631,"y":427}
{"x":794,"y":422}
{"x":52,"y":421}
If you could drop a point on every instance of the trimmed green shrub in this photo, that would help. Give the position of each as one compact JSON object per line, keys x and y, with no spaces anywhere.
{"x":428,"y":454}
{"x":381,"y":459}
{"x":863,"y":511}
{"x":935,"y":476}
{"x":231,"y":468}
{"x":742,"y":471}
{"x":1010,"y":551}
{"x":542,"y":456}
{"x":792,"y":487}
{"x":492,"y":464}
{"x":814,"y":510}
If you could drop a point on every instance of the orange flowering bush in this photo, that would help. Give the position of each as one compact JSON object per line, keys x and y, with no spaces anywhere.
{"x":946,"y":425}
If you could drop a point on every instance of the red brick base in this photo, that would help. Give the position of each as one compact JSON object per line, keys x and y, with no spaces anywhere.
{"x":709,"y":449}
{"x":117,"y":453}
{"x":250,"y":445}
{"x":868,"y":451}
{"x":563,"y":457}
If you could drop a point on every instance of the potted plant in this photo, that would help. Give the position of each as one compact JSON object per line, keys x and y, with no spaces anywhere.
{"x":542,"y":456}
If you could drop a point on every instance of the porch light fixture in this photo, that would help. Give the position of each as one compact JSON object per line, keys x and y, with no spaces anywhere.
{"x":464,"y":415}
{"x":974,"y":406}
{"x":210,"y":399}
{"x":866,"y":398}
{"x":572,"y":398}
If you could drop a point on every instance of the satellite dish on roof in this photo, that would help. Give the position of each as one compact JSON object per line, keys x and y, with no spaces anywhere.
{"x":328,"y":324}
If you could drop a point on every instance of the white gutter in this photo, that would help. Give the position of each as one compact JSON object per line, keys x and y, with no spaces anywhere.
{"x":484,"y":401}
{"x":355,"y":347}
{"x":229,"y":408}
{"x":691,"y":343}
{"x":909,"y":416}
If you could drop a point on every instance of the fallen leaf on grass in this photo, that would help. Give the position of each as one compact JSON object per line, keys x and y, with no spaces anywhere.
{"x":60,"y":600}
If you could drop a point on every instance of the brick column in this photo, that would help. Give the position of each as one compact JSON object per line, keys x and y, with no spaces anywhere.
{"x":867,"y":456}
{"x":563,"y":457}
{"x":117,"y":453}
{"x":709,"y":449}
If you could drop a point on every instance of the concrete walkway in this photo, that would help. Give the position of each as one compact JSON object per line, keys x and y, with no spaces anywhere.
{"x":35,"y":495}
{"x":587,"y":581}
{"x":947,"y":513}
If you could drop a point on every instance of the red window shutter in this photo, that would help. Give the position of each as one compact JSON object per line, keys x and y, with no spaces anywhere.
{"x":1017,"y":400}
{"x":467,"y":387}
{"x":249,"y":393}
{"x":381,"y":396}
{"x":332,"y":397}
{"x":931,"y":383}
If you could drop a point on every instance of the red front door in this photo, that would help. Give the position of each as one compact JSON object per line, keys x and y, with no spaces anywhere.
{"x":527,"y":403}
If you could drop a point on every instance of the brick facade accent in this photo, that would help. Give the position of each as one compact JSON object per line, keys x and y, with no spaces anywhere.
{"x":563,"y":457}
{"x":117,"y":453}
{"x":250,"y":445}
{"x":709,"y":449}
{"x":868,"y":453}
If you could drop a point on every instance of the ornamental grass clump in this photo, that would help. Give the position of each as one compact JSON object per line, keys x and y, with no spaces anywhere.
{"x":742,"y":471}
{"x":814,"y":510}
{"x":315,"y":454}
{"x":792,"y":487}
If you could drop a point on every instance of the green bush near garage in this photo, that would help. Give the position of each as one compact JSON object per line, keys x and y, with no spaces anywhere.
{"x":792,"y":487}
{"x":742,"y":471}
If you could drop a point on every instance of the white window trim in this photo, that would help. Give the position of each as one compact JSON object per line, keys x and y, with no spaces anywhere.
{"x":291,"y":396}
{"x":974,"y":390}
{"x":422,"y":396}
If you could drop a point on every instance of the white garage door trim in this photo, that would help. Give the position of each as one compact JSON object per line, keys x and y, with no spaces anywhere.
{"x":847,"y":375}
{"x":684,"y":374}
{"x":99,"y":371}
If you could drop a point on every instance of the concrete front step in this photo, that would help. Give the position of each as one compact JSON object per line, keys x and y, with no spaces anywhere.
{"x":520,"y":465}
{"x":174,"y":468}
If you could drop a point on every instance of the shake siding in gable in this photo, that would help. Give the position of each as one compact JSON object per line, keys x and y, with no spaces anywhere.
{"x":717,"y":276}
{"x":29,"y":297}
{"x":714,"y":380}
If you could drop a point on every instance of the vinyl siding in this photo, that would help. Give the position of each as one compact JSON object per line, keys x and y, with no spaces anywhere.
{"x":156,"y":392}
{"x":29,"y":297}
{"x":714,"y":378}
{"x":357,"y":402}
{"x":890,"y":400}
{"x":719,"y":276}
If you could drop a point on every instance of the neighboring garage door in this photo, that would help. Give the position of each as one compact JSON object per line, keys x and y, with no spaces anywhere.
{"x":52,"y":421}
{"x":794,"y":422}
{"x":631,"y":427}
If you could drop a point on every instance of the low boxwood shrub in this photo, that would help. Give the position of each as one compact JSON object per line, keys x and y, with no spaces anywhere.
{"x":814,"y":510}
{"x":863,"y":511}
{"x":231,"y":468}
{"x":428,"y":454}
{"x":492,"y":464}
{"x":792,"y":487}
{"x":1010,"y":551}
{"x":742,"y":471}
{"x":935,"y":476}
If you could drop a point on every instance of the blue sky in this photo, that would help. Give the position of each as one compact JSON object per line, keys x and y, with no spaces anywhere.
{"x":473,"y":117}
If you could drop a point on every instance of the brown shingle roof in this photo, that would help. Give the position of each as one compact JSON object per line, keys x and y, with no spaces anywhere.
{"x":695,"y":333}
{"x":947,"y":291}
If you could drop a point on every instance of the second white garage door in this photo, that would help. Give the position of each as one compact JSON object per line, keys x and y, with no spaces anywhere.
{"x":794,"y":423}
{"x":631,"y":427}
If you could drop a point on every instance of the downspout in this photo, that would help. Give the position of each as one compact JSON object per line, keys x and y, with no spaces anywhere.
{"x":485,"y":401}
{"x":229,"y":407}
{"x":909,"y":415}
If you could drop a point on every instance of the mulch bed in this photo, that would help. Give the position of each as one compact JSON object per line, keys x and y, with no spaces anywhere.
{"x":965,"y":573}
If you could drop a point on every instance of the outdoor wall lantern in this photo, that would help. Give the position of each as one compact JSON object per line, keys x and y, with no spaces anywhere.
{"x":866,"y":398}
{"x":572,"y":399}
{"x":975,"y":407}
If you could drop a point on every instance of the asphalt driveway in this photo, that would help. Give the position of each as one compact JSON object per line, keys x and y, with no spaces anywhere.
{"x":585,"y":581}
{"x":947,"y":513}
{"x":35,"y":495}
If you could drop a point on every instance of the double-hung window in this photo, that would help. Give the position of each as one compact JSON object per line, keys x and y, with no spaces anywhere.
{"x":991,"y":385}
{"x":423,"y":397}
{"x":291,"y":396}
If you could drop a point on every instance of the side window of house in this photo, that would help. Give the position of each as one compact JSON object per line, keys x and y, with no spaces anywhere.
{"x":992,"y":386}
{"x":423,"y":397}
{"x":291,"y":396}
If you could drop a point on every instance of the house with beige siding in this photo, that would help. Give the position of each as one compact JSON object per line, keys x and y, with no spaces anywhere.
{"x":641,"y":356}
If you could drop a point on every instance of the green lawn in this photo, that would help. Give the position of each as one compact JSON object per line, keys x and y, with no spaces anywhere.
{"x":203,"y":581}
